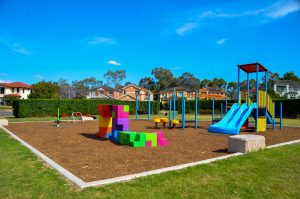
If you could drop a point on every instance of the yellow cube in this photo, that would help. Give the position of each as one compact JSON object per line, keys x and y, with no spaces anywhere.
{"x":105,"y":121}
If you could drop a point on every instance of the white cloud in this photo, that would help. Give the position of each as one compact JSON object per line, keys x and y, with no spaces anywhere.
{"x":5,"y":81}
{"x":21,"y":50}
{"x":277,"y":10}
{"x":101,"y":41}
{"x":282,"y":8}
{"x":16,"y":47}
{"x":188,"y":27}
{"x":221,"y":41}
{"x":113,"y":62}
{"x":39,"y":77}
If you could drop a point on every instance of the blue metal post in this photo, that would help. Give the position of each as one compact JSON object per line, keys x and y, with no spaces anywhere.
{"x":274,"y":116}
{"x":257,"y":100}
{"x":221,"y":112}
{"x":248,"y":90}
{"x":174,"y":103}
{"x":239,"y":86}
{"x":149,"y":106}
{"x":280,"y":115}
{"x":136,"y":107}
{"x":182,"y":110}
{"x":226,"y":105}
{"x":196,"y":109}
{"x":266,"y":84}
{"x":213,"y":111}
{"x":170,"y":112}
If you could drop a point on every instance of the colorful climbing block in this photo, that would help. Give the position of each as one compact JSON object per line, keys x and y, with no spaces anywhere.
{"x":115,"y":136}
{"x":105,"y":110}
{"x":161,"y":140}
{"x":126,"y":108}
{"x":105,"y":121}
{"x":138,"y":140}
{"x":151,"y":137}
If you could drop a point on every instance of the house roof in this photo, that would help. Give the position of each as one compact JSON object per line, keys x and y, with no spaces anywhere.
{"x":16,"y":85}
{"x":287,"y":82}
{"x":139,"y":88}
{"x":251,"y":68}
{"x":105,"y":87}
{"x":127,"y":95}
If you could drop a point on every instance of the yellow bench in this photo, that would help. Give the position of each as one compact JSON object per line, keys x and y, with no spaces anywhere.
{"x":165,"y":121}
{"x":174,"y":122}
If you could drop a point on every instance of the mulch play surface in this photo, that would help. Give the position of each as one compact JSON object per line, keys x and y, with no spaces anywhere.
{"x":76,"y":148}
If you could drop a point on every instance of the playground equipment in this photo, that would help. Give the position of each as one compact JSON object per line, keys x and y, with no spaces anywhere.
{"x":58,"y":118}
{"x":113,"y":124}
{"x":77,"y":116}
{"x":213,"y":119}
{"x":263,"y":109}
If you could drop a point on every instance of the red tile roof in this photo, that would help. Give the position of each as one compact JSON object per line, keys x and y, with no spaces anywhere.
{"x":16,"y":85}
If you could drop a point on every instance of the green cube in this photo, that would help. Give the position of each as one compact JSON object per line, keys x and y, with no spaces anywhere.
{"x":151,"y":137}
{"x":125,"y":137}
{"x":126,"y":108}
{"x":138,"y":140}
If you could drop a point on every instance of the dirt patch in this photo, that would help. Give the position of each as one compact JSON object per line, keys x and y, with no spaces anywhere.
{"x":76,"y":148}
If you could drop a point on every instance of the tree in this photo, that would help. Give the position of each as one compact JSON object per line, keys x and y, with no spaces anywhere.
{"x":290,"y":76}
{"x":222,"y":84}
{"x":189,"y":81}
{"x":91,"y":83}
{"x":127,"y":83}
{"x":232,"y":88}
{"x":205,"y":83}
{"x":115,"y":78}
{"x":148,"y":83}
{"x":44,"y":90}
{"x":164,"y":77}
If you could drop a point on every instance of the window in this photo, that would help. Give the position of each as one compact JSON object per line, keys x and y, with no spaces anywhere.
{"x":2,"y":90}
{"x":18,"y":90}
{"x":23,"y":90}
{"x":13,"y":90}
{"x":124,"y":92}
{"x":111,"y":92}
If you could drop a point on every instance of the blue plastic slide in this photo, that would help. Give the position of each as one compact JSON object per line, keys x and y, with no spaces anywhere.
{"x":234,"y":119}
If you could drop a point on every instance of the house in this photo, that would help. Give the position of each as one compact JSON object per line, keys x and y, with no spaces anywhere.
{"x":17,"y":89}
{"x":211,"y":92}
{"x":288,"y":88}
{"x":129,"y":93}
{"x":167,"y":94}
{"x":104,"y":92}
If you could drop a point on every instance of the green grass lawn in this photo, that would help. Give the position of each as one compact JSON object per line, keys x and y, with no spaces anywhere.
{"x":272,"y":173}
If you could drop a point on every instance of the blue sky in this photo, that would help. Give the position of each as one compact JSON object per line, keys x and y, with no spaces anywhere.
{"x":48,"y":40}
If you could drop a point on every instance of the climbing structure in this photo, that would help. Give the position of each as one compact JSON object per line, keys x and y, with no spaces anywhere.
{"x":113,"y":124}
{"x":262,"y":109}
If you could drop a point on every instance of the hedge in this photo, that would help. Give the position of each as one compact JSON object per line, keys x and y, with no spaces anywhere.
{"x":290,"y":108}
{"x":48,"y":107}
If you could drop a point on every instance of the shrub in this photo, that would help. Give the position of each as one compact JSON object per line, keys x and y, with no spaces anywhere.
{"x":48,"y":107}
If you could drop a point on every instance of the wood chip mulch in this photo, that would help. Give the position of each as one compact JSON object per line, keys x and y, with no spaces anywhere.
{"x":76,"y":148}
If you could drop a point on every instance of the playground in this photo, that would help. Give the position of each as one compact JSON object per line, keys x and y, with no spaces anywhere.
{"x":77,"y":148}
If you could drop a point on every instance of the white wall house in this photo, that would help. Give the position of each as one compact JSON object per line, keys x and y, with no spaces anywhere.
{"x":18,"y":89}
{"x":287,"y":87}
